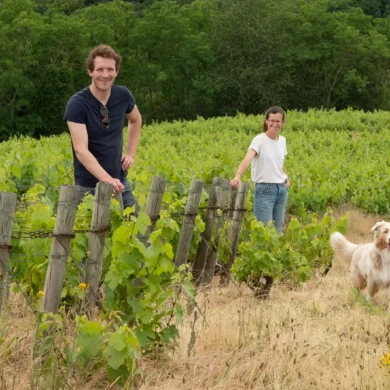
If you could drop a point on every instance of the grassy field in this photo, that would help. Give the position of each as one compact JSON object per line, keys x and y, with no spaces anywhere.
{"x":321,"y":335}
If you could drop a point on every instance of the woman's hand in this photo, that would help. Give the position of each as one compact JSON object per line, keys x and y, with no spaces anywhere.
{"x":235,"y":183}
{"x":287,"y":184}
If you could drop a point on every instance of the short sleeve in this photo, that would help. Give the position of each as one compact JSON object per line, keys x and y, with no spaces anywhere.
{"x":75,"y":111}
{"x":255,"y":144}
{"x":130,"y":102}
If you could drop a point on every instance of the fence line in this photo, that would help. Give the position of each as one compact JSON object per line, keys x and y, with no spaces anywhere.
{"x":206,"y":258}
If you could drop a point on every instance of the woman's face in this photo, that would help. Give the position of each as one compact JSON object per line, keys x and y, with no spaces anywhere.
{"x":274,"y":123}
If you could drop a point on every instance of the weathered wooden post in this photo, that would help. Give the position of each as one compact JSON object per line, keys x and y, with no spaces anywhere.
{"x":7,"y":211}
{"x":59,"y":253}
{"x":153,"y":205}
{"x":118,"y":197}
{"x":236,"y":228}
{"x":211,"y":261}
{"x":187,"y":228}
{"x":200,"y":260}
{"x":97,"y":235}
{"x":232,"y":202}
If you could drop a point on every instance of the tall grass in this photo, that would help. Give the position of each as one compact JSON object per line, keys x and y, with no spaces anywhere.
{"x":321,"y":335}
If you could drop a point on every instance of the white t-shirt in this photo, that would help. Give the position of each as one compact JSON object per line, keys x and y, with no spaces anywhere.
{"x":267,"y":165}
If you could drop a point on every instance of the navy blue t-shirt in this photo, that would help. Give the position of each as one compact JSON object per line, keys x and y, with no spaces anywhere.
{"x":105,"y":144}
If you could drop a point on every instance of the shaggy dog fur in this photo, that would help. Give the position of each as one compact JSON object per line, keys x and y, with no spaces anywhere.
{"x":370,"y":263}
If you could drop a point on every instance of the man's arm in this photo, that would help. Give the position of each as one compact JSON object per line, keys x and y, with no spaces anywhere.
{"x":133,"y":136}
{"x":79,"y":135}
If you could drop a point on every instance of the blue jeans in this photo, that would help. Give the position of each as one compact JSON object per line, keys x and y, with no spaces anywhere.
{"x":270,"y":203}
{"x":128,"y":197}
{"x":129,"y":200}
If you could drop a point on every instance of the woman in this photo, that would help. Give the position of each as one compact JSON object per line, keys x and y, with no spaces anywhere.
{"x":266,"y":154}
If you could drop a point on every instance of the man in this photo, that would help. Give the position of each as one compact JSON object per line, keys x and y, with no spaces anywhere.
{"x":95,"y":117}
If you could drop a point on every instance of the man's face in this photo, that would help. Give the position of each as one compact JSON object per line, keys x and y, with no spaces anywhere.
{"x":104,"y":74}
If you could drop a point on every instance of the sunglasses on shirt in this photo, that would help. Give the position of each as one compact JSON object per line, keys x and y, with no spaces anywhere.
{"x":104,"y":114}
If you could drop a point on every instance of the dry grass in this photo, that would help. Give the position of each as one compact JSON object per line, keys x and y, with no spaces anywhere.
{"x":17,"y":327}
{"x":319,"y":336}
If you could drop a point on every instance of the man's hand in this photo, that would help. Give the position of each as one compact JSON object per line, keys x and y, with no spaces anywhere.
{"x":288,"y":184}
{"x":117,"y":186}
{"x":127,"y":161}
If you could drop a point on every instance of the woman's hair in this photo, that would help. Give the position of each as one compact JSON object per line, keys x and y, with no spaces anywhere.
{"x":272,"y":110}
{"x":104,"y":51}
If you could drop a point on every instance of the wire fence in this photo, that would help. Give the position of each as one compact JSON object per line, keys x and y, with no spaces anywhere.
{"x":24,"y":234}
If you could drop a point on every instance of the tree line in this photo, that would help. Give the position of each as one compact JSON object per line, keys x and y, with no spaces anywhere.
{"x":183,"y":59}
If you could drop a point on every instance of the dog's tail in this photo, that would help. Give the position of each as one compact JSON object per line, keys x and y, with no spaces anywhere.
{"x":342,"y":247}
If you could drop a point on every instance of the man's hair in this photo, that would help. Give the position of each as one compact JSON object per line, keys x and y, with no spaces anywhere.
{"x":104,"y":51}
{"x":272,"y":110}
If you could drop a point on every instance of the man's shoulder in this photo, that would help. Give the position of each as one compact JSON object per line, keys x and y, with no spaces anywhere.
{"x":83,"y":94}
{"x":77,"y":106}
{"x":121,"y":94}
{"x":120,"y":89}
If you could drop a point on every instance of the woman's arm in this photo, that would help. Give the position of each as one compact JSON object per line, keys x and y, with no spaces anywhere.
{"x":235,"y":182}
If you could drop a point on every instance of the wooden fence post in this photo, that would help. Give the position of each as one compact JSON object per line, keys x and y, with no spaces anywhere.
{"x":7,"y":211}
{"x":96,"y":237}
{"x":232,"y":202}
{"x":187,"y":228}
{"x":59,"y":253}
{"x":211,"y":261}
{"x":200,"y":260}
{"x":153,"y":205}
{"x":118,"y":197}
{"x":236,"y":228}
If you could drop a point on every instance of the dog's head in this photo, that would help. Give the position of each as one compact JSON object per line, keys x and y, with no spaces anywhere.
{"x":382,"y":235}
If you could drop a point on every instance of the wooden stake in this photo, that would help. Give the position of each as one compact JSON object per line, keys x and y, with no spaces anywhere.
{"x":59,"y":253}
{"x":153,"y":205}
{"x":211,"y":212}
{"x":236,"y":228}
{"x":7,"y":211}
{"x":211,"y":261}
{"x":187,"y":229}
{"x":118,"y":197}
{"x":232,"y":202}
{"x":97,"y":235}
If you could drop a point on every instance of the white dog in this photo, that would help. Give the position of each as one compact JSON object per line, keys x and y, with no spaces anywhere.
{"x":370,"y":263}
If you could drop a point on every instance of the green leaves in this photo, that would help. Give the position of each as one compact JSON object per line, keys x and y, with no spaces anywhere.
{"x":142,"y":222}
{"x":189,"y":288}
{"x":291,"y":256}
{"x":143,"y":287}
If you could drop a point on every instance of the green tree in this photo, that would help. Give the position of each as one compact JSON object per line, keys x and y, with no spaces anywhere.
{"x":338,"y":56}
{"x":375,"y":8}
{"x":248,"y":42}
{"x":61,"y":72}
{"x":173,"y":60}
{"x":20,"y":27}
{"x":40,"y":67}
